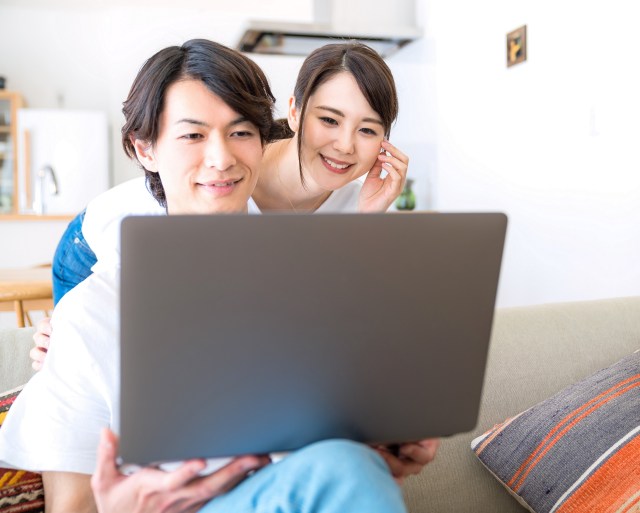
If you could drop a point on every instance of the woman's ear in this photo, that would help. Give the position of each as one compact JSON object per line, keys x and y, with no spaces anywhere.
{"x":144,"y":152}
{"x":292,"y":115}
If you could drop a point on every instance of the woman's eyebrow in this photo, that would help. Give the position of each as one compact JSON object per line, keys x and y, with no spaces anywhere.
{"x":341,"y":114}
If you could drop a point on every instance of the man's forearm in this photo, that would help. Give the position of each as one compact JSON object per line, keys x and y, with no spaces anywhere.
{"x":68,"y":492}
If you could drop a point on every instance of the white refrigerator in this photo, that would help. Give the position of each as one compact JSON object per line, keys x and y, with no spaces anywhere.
{"x":63,"y":159}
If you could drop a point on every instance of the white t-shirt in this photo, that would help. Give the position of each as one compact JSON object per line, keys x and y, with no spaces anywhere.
{"x":55,"y":423}
{"x":344,"y":199}
{"x":101,"y":225}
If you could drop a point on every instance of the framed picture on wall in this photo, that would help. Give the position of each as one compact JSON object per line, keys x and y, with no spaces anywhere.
{"x":517,"y":46}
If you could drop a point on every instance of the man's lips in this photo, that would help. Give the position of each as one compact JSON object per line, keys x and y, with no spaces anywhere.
{"x":221,"y":183}
{"x":219,"y":188}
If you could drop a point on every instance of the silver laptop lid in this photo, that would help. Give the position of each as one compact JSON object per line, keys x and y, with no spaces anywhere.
{"x":252,"y":334}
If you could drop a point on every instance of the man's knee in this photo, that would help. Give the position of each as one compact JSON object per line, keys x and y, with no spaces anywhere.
{"x":342,"y":460}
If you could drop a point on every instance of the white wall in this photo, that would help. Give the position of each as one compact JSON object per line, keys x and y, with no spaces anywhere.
{"x":77,"y":54}
{"x":553,"y":142}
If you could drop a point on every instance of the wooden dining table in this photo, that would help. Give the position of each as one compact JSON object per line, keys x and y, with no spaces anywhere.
{"x":25,"y":289}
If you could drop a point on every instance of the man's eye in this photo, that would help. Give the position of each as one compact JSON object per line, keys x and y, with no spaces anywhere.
{"x":329,"y":121}
{"x":191,"y":136}
{"x":242,"y":133}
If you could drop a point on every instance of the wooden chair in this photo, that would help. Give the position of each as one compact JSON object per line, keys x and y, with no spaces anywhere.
{"x":23,"y":290}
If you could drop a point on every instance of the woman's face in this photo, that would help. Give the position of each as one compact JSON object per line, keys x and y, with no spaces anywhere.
{"x":207,"y":155}
{"x":341,"y":134}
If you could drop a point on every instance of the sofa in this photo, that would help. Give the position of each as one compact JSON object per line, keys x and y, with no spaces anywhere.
{"x":535,"y":352}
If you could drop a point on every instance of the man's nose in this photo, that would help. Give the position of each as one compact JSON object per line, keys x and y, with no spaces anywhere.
{"x":219,"y":154}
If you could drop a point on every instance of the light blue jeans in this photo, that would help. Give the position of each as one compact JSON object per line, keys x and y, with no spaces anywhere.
{"x":334,"y":476}
{"x":73,"y":259}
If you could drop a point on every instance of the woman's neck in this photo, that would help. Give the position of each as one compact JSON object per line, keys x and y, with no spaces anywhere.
{"x":280,"y":187}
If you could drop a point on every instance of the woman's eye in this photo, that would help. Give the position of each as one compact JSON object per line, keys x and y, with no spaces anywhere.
{"x":328,"y":121}
{"x":369,"y":131}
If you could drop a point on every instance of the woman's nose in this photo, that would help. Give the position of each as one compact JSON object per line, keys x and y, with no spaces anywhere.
{"x":344,"y":142}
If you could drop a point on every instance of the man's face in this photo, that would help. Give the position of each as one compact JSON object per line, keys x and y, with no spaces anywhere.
{"x":207,"y":154}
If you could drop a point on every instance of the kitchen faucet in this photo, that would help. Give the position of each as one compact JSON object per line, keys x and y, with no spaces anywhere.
{"x":39,"y":201}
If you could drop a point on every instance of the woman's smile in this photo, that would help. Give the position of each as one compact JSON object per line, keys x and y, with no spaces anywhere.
{"x":335,"y":165}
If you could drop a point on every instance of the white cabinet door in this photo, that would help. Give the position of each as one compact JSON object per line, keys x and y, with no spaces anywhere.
{"x":63,"y":159}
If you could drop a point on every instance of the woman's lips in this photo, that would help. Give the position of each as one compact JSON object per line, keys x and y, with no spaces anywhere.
{"x":335,"y":166}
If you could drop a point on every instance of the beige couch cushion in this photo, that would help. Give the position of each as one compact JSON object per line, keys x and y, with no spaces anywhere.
{"x":15,"y":367}
{"x":535,"y":352}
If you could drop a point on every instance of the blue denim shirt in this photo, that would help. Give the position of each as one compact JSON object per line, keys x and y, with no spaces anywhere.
{"x":73,"y":259}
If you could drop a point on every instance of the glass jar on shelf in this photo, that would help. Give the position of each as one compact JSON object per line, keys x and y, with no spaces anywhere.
{"x":10,"y":102}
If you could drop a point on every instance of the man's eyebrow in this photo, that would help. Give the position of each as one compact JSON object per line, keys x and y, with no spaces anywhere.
{"x":238,"y":120}
{"x":341,"y":114}
{"x":197,"y":122}
{"x":191,"y":122}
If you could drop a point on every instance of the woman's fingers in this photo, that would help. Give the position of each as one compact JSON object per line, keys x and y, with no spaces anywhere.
{"x":44,"y":326}
{"x":39,"y":352}
{"x":41,"y":341}
{"x":394,"y":162}
{"x":387,"y":146}
{"x":37,"y":356}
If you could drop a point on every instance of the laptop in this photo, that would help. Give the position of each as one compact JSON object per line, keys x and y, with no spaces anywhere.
{"x":258,"y":334}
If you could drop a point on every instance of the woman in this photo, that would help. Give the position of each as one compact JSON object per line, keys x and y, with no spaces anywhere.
{"x":340,"y":116}
{"x":339,"y":119}
{"x":199,"y":139}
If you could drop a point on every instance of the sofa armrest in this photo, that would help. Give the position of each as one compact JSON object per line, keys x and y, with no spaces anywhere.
{"x":15,"y":364}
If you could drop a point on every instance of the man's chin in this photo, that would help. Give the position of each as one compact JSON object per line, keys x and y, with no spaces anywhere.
{"x":226,"y":206}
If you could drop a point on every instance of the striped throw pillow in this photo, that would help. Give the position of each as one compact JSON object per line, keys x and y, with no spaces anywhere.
{"x":20,"y":491}
{"x":578,"y":451}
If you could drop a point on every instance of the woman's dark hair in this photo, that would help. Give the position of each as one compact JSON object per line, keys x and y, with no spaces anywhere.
{"x":236,"y":79}
{"x":371,"y":73}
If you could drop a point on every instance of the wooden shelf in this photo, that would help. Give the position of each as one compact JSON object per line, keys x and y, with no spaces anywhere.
{"x":35,"y":217}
